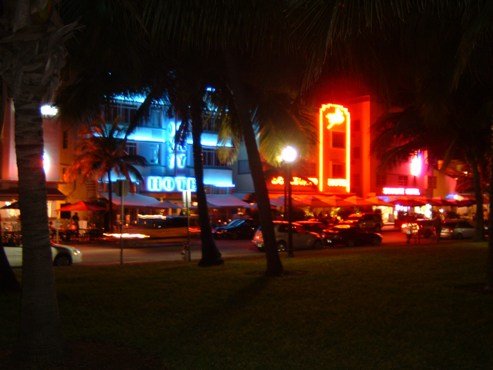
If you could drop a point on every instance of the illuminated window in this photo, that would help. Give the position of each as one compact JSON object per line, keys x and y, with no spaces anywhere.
{"x":338,"y":140}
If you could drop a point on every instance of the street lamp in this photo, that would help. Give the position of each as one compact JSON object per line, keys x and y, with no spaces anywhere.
{"x":288,"y":156}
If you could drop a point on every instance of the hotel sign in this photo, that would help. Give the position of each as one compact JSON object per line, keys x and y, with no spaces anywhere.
{"x":170,"y":184}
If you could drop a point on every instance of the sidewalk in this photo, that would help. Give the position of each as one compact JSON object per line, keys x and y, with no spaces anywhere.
{"x":127,"y":243}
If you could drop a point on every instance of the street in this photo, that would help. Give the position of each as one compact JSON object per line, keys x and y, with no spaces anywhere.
{"x":171,"y":250}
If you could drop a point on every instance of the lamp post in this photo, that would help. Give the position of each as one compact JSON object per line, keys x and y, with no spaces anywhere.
{"x":288,"y":156}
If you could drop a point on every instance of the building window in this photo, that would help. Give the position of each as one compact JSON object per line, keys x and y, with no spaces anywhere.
{"x":65,"y":139}
{"x":338,"y":140}
{"x":338,"y":171}
{"x":154,"y":119}
{"x":243,"y":167}
{"x":121,"y":113}
{"x":210,"y":122}
{"x":356,"y":125}
{"x":150,"y":151}
{"x":432,"y":182}
{"x":381,"y":180}
{"x":210,"y":158}
{"x":131,"y":148}
{"x":402,"y":180}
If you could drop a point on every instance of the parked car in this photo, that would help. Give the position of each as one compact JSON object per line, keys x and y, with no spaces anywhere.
{"x":236,"y":229}
{"x":314,"y":225}
{"x":457,"y":229}
{"x":425,"y":228}
{"x":350,"y":235}
{"x":62,"y":255}
{"x":302,"y":238}
{"x":367,"y":221}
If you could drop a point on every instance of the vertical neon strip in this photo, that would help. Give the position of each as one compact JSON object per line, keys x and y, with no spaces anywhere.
{"x":348,"y":149}
{"x":340,"y":115}
{"x":321,"y":129}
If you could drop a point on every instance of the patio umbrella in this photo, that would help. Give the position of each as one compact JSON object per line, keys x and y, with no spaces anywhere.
{"x":81,"y":206}
{"x":410,"y":201}
{"x":439,"y":201}
{"x":280,"y":201}
{"x":376,"y":201}
{"x":312,"y":201}
{"x":357,"y":201}
{"x":335,"y":201}
{"x":462,"y":202}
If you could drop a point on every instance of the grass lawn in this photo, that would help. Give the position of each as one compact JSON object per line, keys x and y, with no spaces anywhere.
{"x":406,"y":307}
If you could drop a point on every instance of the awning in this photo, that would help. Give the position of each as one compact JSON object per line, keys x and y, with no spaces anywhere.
{"x":225,"y":200}
{"x":13,"y":193}
{"x":140,"y":201}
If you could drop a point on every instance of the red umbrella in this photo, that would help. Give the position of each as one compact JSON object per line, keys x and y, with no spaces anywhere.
{"x":410,"y":201}
{"x":82,"y":206}
{"x":376,"y":201}
{"x":357,"y":201}
{"x":463,"y":202}
{"x":439,"y":201}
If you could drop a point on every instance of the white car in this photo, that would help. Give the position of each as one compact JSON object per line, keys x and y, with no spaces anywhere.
{"x":62,"y":255}
{"x":302,"y":238}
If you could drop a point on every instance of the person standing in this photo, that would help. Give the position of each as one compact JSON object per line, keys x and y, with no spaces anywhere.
{"x":437,"y":224}
{"x":75,"y":221}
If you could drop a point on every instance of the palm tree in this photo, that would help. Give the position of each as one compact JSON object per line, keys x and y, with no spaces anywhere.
{"x":101,"y":152}
{"x":238,"y":37}
{"x":32,"y":54}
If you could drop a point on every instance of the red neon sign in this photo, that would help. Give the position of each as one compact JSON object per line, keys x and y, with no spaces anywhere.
{"x":333,"y":117}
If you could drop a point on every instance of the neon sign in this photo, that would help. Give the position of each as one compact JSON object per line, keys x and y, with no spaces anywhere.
{"x":297,"y":181}
{"x":337,"y":182}
{"x":333,"y":117}
{"x":401,"y":191}
{"x":169,"y":183}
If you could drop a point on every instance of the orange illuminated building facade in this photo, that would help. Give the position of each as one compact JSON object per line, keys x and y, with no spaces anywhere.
{"x":345,"y":163}
{"x":334,"y":160}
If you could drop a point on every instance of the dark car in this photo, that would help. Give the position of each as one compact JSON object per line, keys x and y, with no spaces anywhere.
{"x":236,"y":229}
{"x":367,"y":221}
{"x":350,"y":235}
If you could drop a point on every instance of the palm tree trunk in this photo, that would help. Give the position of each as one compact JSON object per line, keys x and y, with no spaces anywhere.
{"x":479,"y":234}
{"x":274,"y":264}
{"x":110,"y":204}
{"x":210,"y":253}
{"x":489,"y":261}
{"x":40,"y":337}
